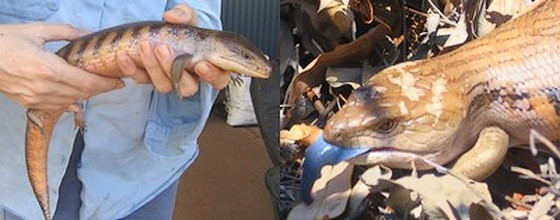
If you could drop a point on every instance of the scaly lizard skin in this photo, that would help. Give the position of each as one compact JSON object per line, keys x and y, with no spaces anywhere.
{"x":96,"y":53}
{"x":437,"y":107}
{"x":486,"y":95}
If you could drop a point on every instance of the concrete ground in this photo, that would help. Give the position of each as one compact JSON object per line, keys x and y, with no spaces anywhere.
{"x":227,"y":179}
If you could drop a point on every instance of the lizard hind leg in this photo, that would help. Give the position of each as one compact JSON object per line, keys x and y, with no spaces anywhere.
{"x":180,"y":63}
{"x":79,"y":120}
{"x":485,"y":157}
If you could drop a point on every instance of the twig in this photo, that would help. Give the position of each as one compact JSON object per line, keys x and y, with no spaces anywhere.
{"x":330,"y":107}
{"x":529,"y":174}
{"x":535,"y":134}
{"x":445,"y":19}
{"x":517,"y":202}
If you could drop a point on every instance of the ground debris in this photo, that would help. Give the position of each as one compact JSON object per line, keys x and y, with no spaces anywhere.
{"x":396,"y":31}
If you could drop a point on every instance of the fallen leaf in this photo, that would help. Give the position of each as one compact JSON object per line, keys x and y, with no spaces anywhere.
{"x":305,"y":134}
{"x":323,"y":4}
{"x":541,"y":208}
{"x":337,"y":77}
{"x":458,"y":33}
{"x":432,"y":22}
{"x":497,"y":13}
{"x":331,"y":191}
{"x":446,"y":194}
{"x":368,"y":182}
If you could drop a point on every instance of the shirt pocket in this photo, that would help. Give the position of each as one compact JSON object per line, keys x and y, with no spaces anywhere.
{"x":172,"y":124}
{"x":17,"y":11}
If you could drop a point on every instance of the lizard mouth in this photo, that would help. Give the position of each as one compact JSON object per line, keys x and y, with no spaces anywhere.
{"x":366,"y":141}
{"x":391,"y":156}
{"x":244,"y":69}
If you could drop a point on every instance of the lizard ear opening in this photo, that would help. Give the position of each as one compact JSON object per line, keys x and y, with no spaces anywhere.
{"x":363,"y":94}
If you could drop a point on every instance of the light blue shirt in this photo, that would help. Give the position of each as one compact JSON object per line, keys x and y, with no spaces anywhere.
{"x":137,"y":141}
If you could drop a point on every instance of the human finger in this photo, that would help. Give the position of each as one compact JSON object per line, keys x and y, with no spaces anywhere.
{"x":55,"y":32}
{"x":213,"y":75}
{"x":165,"y":57}
{"x":129,"y":68}
{"x":188,"y":86}
{"x":151,"y":64}
{"x":181,"y":14}
{"x":90,"y":83}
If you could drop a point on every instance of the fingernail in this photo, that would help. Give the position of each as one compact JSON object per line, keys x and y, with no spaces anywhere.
{"x":179,"y":12}
{"x":178,"y":15}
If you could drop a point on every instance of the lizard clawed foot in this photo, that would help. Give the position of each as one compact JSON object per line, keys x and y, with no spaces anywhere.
{"x":79,"y":120}
{"x":236,"y":79}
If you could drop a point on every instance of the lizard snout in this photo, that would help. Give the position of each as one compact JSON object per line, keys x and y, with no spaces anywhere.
{"x":354,"y":118}
{"x":348,"y":123}
{"x":333,"y":133}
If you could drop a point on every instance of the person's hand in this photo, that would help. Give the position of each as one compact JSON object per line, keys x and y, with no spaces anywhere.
{"x":38,"y":79}
{"x":157,"y":61}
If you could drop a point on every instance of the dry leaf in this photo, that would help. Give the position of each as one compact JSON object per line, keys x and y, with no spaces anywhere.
{"x":432,"y":22}
{"x":305,"y":134}
{"x":542,"y":207}
{"x":458,"y":33}
{"x":337,"y":77}
{"x":331,"y":191}
{"x":323,"y":4}
{"x":368,"y":182}
{"x":499,"y":12}
{"x":446,"y":194}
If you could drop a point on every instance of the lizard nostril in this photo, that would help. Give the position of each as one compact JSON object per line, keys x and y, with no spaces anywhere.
{"x":333,"y":134}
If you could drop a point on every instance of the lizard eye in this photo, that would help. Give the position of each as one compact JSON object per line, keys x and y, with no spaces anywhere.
{"x":387,"y":125}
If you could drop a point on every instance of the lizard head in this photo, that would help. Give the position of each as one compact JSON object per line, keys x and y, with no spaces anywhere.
{"x":400,"y":115}
{"x":237,"y":54}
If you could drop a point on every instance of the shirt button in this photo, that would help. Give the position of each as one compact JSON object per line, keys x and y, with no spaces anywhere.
{"x":51,"y":5}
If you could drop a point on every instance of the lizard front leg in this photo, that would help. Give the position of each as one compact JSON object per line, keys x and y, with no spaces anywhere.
{"x":486,"y":155}
{"x":181,"y":62}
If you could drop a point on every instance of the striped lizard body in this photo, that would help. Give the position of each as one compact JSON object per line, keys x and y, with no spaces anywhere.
{"x":472,"y":103}
{"x":97,"y":53}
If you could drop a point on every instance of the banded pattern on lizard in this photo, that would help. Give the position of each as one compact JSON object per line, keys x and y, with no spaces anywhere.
{"x":486,"y":95}
{"x":97,"y":52}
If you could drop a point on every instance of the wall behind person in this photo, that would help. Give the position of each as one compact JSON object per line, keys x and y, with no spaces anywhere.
{"x":258,"y":20}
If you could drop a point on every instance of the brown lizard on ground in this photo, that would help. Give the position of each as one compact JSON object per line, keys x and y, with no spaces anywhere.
{"x":480,"y":99}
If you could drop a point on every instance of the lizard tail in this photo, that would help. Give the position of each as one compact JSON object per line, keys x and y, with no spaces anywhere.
{"x":40,"y":125}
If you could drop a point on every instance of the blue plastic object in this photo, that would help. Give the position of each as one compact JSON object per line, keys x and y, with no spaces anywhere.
{"x":319,"y":154}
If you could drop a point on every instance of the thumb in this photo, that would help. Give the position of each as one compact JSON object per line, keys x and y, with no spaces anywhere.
{"x":56,"y":32}
{"x":181,"y":14}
